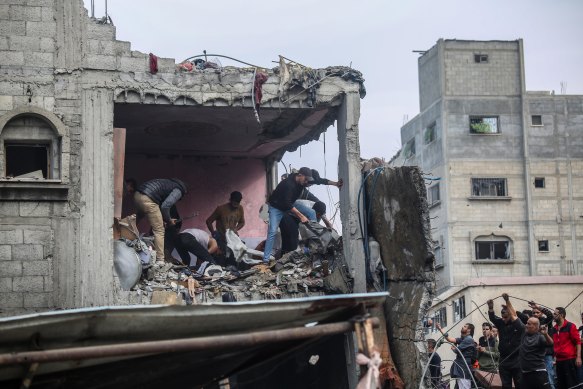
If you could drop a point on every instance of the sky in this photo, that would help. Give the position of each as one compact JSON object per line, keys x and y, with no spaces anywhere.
{"x":376,"y":37}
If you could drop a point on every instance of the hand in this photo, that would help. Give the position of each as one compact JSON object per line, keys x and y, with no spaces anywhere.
{"x":490,"y":304}
{"x":505,"y":296}
{"x":481,"y":349}
{"x":543,"y":330}
{"x":578,"y":362}
{"x":438,"y":326}
{"x":532,"y":304}
{"x":340,"y":183}
{"x":303,"y":219}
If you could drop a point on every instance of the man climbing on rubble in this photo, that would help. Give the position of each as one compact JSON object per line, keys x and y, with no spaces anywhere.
{"x":307,"y":199}
{"x":154,"y":199}
{"x":282,"y":201}
{"x":229,"y":216}
{"x":289,"y":227}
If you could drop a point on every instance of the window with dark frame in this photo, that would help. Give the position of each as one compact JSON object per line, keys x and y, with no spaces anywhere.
{"x":429,"y":135}
{"x":492,"y":249}
{"x":536,"y":120}
{"x":409,"y":150}
{"x":433,"y":196}
{"x":438,"y":253}
{"x":481,"y":58}
{"x":459,"y":309}
{"x":539,"y":182}
{"x":23,"y":158}
{"x":484,"y":125}
{"x":489,"y":187}
{"x":543,"y":246}
{"x":440,"y":317}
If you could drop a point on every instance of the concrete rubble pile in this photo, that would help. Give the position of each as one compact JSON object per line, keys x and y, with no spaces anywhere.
{"x":317,"y":267}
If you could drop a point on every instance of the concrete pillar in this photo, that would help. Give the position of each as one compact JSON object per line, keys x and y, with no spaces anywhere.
{"x":349,"y":169}
{"x":96,"y":234}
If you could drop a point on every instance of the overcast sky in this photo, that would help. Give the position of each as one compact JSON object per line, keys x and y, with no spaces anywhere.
{"x":376,"y":37}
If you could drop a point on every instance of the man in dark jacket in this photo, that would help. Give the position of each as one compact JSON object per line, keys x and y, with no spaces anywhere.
{"x":465,"y":351}
{"x":282,"y":201}
{"x":510,"y":330}
{"x":154,"y":199}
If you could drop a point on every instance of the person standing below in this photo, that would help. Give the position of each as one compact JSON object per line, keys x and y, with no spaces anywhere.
{"x":229,"y":216}
{"x":567,"y":344}
{"x":434,"y":364}
{"x":154,"y":199}
{"x":488,"y":354}
{"x":545,"y":317}
{"x":282,"y":201}
{"x":510,"y":332}
{"x":532,"y":354}
{"x":465,"y":350}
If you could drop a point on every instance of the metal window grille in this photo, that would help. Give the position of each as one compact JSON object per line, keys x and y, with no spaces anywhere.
{"x":459,"y":309}
{"x":489,"y":187}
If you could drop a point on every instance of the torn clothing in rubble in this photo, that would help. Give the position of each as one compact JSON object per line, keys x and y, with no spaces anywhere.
{"x":193,"y":244}
{"x":260,"y":79}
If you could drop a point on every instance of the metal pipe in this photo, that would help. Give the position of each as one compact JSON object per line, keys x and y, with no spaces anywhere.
{"x":178,"y":345}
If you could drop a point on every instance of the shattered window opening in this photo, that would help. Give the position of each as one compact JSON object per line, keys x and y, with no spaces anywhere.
{"x":441,"y":318}
{"x":539,"y":182}
{"x":24,"y":159}
{"x":459,"y":309}
{"x":493,"y":249}
{"x":433,"y":196}
{"x":489,"y":187}
{"x":429,"y":135}
{"x":484,"y":125}
{"x":543,"y":246}
{"x":409,"y":150}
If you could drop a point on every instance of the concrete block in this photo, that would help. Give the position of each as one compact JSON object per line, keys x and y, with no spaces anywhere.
{"x":4,"y":12}
{"x":129,"y":64}
{"x":103,"y":62}
{"x":47,"y":45}
{"x":11,"y":300}
{"x":37,"y":300}
{"x":34,"y":209}
{"x":11,"y":58}
{"x":40,"y":59}
{"x":3,"y":43}
{"x":5,"y":252}
{"x":100,"y":31}
{"x":5,"y":284}
{"x":24,"y":43}
{"x":35,"y":268}
{"x":6,"y":103}
{"x":49,"y":103}
{"x":43,"y":237}
{"x":42,"y":29}
{"x":28,"y":284}
{"x":8,"y":208}
{"x":11,"y":237}
{"x":27,"y":252}
{"x":11,"y":269}
{"x":9,"y":28}
{"x":47,"y":14}
{"x":24,"y":12}
{"x":48,"y":283}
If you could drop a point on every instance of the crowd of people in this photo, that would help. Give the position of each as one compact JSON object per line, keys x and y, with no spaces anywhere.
{"x":529,"y":349}
{"x":289,"y":204}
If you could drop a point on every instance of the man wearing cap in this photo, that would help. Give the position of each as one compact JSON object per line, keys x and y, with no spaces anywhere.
{"x":282,"y":201}
{"x":307,"y":195}
{"x":154,"y":199}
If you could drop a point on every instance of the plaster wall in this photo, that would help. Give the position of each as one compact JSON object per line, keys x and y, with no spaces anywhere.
{"x":210,"y":181}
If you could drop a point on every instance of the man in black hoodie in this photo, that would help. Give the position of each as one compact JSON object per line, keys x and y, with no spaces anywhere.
{"x":154,"y":199}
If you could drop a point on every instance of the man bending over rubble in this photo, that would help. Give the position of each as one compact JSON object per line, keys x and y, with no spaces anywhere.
{"x":282,"y":201}
{"x":154,"y":199}
{"x":229,"y":216}
{"x":196,"y":248}
{"x":289,"y":226}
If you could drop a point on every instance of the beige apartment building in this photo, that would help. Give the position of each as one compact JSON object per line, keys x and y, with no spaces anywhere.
{"x":504,"y":169}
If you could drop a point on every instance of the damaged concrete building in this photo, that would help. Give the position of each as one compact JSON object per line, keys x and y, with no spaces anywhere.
{"x":79,"y":111}
{"x":504,"y":181}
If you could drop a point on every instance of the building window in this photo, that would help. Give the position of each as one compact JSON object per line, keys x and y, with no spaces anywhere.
{"x":441,"y":318}
{"x":539,"y":182}
{"x":438,"y":253}
{"x":481,"y":58}
{"x":429,"y":135}
{"x":459,"y":309}
{"x":31,"y":149}
{"x":492,"y":248}
{"x":536,"y":120}
{"x":484,"y":125}
{"x":489,"y":187}
{"x":543,"y":246}
{"x":433,"y":195}
{"x":409,"y":150}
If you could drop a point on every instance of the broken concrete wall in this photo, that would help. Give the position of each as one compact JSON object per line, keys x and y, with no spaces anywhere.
{"x":400,"y":223}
